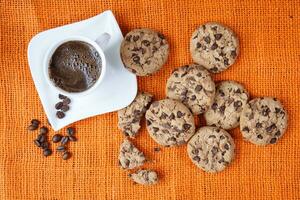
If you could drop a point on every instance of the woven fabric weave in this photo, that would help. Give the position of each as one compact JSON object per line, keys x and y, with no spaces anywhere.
{"x":269,"y":65}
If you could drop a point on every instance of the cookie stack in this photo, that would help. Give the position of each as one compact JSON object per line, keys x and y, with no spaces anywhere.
{"x":190,"y":90}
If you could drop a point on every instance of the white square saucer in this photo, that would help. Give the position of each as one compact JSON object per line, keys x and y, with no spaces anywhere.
{"x":117,"y":90}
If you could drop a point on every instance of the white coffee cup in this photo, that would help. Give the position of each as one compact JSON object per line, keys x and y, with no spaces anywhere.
{"x":99,"y":44}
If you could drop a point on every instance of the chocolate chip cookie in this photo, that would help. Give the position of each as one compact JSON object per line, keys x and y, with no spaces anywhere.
{"x":214,"y":46}
{"x":169,"y":122}
{"x":228,"y":104}
{"x":263,"y":121}
{"x":193,"y":86}
{"x":144,"y":177}
{"x":144,"y":51}
{"x":211,"y":149}
{"x":130,"y":157}
{"x":129,"y":118}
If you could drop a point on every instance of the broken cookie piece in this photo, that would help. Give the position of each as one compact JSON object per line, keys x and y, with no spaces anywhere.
{"x":130,"y":157}
{"x":129,"y":118}
{"x":144,"y":177}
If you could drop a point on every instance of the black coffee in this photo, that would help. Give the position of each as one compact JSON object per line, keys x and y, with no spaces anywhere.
{"x":75,"y":66}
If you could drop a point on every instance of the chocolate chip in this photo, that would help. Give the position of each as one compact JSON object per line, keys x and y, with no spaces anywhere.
{"x":233,"y":54}
{"x":277,"y":110}
{"x":237,"y":104}
{"x":196,"y":158}
{"x":270,"y":128}
{"x":214,"y":106}
{"x":60,"y":96}
{"x":65,"y":108}
{"x":163,"y":116}
{"x":278,"y":133}
{"x":266,"y":111}
{"x":226,"y":146}
{"x":214,"y":69}
{"x":155,"y":129}
{"x":56,"y":138}
{"x":161,"y":36}
{"x":172,"y":116}
{"x":222,"y":109}
{"x":195,"y":151}
{"x":193,"y":97}
{"x":47,"y":152}
{"x":226,"y":61}
{"x":179,"y":114}
{"x":128,"y":38}
{"x":246,"y":129}
{"x":187,"y":126}
{"x":212,"y":136}
{"x":214,"y":150}
{"x":203,"y":27}
{"x":207,"y":39}
{"x":58,"y":105}
{"x":260,"y":136}
{"x":222,"y":94}
{"x":60,"y":114}
{"x":198,"y":45}
{"x":218,"y":36}
{"x":214,"y":46}
{"x":198,"y":88}
{"x":258,"y":125}
{"x":148,"y":123}
{"x":146,"y":43}
{"x":222,"y":137}
{"x":273,"y":140}
{"x":238,"y":91}
{"x":221,"y":160}
{"x":136,"y":59}
{"x":135,"y":38}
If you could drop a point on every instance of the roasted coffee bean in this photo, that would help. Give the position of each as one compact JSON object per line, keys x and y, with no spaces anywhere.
{"x":60,"y":114}
{"x":45,"y":145}
{"x":32,"y":127}
{"x":35,"y":122}
{"x":37,"y":143}
{"x":61,"y":148}
{"x":41,"y":138}
{"x":64,"y":140}
{"x":65,"y":108}
{"x":61,"y":96}
{"x":56,"y":138}
{"x":66,"y":155}
{"x":58,"y":105}
{"x":43,"y":130}
{"x":72,"y":138}
{"x":66,"y":101}
{"x":47,"y":152}
{"x":70,"y":131}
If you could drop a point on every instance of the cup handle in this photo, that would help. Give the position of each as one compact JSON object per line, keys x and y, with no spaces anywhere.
{"x":103,"y":40}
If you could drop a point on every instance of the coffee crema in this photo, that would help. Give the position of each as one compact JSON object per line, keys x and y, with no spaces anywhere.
{"x":75,"y":66}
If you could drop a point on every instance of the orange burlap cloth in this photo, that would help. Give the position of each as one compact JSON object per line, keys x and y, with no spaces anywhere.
{"x":269,"y":65}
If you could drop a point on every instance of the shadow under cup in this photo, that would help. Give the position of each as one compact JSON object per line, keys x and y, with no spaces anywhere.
{"x":75,"y":66}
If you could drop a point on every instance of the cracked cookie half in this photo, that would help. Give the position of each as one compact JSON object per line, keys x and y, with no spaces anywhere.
{"x":129,"y":118}
{"x":169,"y":122}
{"x":144,"y":177}
{"x":211,"y":149}
{"x":144,"y":51}
{"x":130,"y":157}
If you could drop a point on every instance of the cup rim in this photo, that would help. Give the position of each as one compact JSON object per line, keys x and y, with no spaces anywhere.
{"x":52,"y":49}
